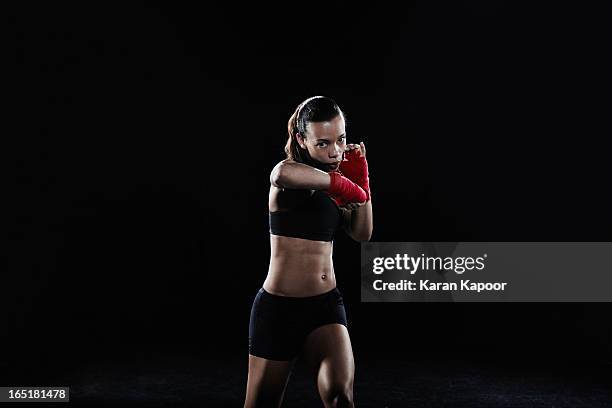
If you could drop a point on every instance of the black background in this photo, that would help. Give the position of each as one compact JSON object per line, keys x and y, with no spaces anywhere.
{"x":140,"y":140}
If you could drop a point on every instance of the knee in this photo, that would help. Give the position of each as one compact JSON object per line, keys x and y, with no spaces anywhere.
{"x":338,"y":396}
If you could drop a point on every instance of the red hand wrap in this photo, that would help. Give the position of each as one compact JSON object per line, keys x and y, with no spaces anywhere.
{"x":355,"y":168}
{"x":344,"y":191}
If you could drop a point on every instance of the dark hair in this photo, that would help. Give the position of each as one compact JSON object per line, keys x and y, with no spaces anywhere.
{"x":315,"y":109}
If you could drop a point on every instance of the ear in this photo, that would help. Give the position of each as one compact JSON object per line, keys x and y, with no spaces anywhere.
{"x":300,"y":140}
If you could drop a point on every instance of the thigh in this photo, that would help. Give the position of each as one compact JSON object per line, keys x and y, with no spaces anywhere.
{"x":266,"y":383}
{"x":329,"y":355}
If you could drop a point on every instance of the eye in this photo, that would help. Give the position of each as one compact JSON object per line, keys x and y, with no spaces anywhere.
{"x":341,"y":139}
{"x":321,"y":144}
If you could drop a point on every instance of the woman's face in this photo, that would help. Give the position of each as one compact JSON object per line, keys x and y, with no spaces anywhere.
{"x":325,"y":142}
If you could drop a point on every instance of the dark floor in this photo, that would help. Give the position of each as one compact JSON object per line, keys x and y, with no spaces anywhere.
{"x":158,"y":379}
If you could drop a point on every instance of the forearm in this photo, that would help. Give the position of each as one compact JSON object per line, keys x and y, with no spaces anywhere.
{"x":299,"y":176}
{"x":361,"y":222}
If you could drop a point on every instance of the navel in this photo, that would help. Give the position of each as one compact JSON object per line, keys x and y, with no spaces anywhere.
{"x":323,"y":276}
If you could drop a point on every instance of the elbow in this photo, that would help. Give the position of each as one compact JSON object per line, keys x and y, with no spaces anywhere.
{"x":274,"y":179}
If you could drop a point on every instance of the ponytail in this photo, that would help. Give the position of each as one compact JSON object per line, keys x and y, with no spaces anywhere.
{"x":293,"y":149}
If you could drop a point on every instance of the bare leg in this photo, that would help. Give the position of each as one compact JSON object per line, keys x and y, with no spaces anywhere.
{"x":266,"y":382}
{"x":329,"y":354}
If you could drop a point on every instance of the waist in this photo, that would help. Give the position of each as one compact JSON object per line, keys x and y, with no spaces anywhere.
{"x":299,"y":280}
{"x":301,"y":267}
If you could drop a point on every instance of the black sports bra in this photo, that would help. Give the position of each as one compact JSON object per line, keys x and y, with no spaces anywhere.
{"x":315,"y":217}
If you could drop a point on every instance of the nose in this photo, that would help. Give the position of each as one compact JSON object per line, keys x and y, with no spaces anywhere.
{"x":335,"y":152}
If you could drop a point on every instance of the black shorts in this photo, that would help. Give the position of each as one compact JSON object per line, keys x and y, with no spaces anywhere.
{"x":279,"y":324}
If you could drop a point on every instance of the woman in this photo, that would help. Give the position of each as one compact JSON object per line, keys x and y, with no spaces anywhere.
{"x":322,"y":186}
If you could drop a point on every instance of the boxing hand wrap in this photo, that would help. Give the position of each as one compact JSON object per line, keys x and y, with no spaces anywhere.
{"x":355,"y":168}
{"x":344,"y":191}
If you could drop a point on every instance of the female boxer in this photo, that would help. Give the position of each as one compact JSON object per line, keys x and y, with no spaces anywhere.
{"x":322,"y":186}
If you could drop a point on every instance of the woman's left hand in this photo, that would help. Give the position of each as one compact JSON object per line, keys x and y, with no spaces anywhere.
{"x":354,"y":166}
{"x":361,"y":151}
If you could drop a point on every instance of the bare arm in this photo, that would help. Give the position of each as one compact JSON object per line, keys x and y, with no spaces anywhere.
{"x":291,"y":174}
{"x":357,"y":221}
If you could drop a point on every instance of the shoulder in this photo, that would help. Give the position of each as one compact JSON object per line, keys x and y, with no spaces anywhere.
{"x":285,"y":161}
{"x":282,"y":163}
{"x":278,"y":170}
